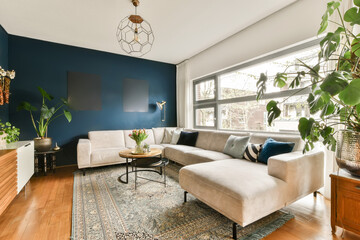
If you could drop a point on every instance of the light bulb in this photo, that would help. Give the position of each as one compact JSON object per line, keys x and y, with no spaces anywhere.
{"x":136,"y":36}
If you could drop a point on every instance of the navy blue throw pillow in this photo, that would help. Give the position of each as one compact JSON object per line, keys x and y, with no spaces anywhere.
{"x":272,"y":148}
{"x":188,"y":138}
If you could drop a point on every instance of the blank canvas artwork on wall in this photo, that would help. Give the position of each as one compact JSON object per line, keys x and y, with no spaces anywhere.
{"x":84,"y":91}
{"x":135,"y":95}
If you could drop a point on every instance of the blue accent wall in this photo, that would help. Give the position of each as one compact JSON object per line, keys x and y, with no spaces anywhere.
{"x":45,"y":64}
{"x":4,"y":109}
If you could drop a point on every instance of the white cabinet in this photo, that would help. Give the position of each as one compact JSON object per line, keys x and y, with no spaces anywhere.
{"x":25,"y":161}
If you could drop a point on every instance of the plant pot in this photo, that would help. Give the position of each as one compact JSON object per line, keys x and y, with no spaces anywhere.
{"x":3,"y":141}
{"x":42,"y":144}
{"x":348,"y":152}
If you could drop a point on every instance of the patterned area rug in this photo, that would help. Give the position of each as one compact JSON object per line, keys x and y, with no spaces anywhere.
{"x":104,"y":208}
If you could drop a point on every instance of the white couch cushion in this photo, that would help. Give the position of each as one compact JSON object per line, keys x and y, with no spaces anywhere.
{"x":168,"y":134}
{"x":218,"y":140}
{"x":158,"y":135}
{"x":241,"y":190}
{"x":200,"y":156}
{"x":130,"y":143}
{"x":106,"y":156}
{"x":204,"y":139}
{"x":177,"y":153}
{"x":107,"y":139}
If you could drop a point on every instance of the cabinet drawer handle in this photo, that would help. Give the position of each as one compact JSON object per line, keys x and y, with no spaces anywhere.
{"x":357,"y":187}
{"x":28,"y":144}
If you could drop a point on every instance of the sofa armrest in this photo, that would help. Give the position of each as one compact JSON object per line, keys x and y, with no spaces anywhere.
{"x":304,"y":173}
{"x":83,"y":153}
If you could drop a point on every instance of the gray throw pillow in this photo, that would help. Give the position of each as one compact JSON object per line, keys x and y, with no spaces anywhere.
{"x":235,"y":146}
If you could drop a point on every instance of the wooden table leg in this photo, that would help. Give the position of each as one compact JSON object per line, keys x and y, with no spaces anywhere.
{"x":45,"y":163}
{"x":53,"y":162}
{"x":36,"y":165}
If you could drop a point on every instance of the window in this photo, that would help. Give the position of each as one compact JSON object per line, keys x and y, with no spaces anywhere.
{"x":205,"y":117}
{"x":227,"y":100}
{"x":205,"y":90}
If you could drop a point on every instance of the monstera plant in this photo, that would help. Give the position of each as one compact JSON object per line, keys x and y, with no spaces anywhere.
{"x":47,"y":115}
{"x":334,"y":98}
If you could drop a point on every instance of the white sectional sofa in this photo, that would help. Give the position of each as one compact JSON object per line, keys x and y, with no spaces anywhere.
{"x":241,"y":190}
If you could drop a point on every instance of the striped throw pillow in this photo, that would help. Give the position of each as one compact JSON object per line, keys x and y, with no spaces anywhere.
{"x":252,"y":152}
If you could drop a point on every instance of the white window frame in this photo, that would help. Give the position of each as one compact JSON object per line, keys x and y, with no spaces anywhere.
{"x":216,"y":102}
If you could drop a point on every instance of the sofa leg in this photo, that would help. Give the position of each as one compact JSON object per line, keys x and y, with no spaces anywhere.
{"x":315,"y":193}
{"x":234,"y":230}
{"x":185,"y":196}
{"x":83,"y":171}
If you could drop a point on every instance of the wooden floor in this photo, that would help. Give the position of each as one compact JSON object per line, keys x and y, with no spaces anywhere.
{"x":45,"y":213}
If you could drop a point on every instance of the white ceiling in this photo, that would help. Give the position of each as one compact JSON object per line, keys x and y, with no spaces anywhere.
{"x":182,"y":28}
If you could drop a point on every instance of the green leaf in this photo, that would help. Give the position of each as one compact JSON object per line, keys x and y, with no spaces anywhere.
{"x":296,"y":81}
{"x":318,"y":100}
{"x":358,"y":109}
{"x":344,"y":113}
{"x":331,"y":7}
{"x":45,"y":94}
{"x":273,"y":111}
{"x":64,"y":101}
{"x":280,"y":80}
{"x":328,"y":109}
{"x":351,"y":94}
{"x":326,"y":131}
{"x":26,"y":106}
{"x":357,"y":3}
{"x":261,"y":85}
{"x":330,"y":43}
{"x":305,"y":126}
{"x":68,"y":115}
{"x":314,"y":72}
{"x":46,"y":112}
{"x":352,"y":16}
{"x":330,"y":141}
{"x":345,"y":62}
{"x":334,"y":83}
{"x":355,"y":46}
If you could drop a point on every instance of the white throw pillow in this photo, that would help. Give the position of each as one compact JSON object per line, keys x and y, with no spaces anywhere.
{"x":175,"y":136}
{"x":167,"y":136}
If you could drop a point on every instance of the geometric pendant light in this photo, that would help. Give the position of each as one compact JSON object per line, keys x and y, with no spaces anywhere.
{"x":135,"y":34}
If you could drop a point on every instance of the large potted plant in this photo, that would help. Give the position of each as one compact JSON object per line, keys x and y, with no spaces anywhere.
{"x":334,"y":98}
{"x":47,"y":116}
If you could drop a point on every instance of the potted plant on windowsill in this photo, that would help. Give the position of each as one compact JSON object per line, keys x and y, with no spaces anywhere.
{"x":47,"y":116}
{"x":334,"y":98}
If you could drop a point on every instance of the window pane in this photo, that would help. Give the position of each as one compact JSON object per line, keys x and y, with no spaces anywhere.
{"x":242,"y":82}
{"x":205,"y":90}
{"x":252,"y":115}
{"x":205,"y":117}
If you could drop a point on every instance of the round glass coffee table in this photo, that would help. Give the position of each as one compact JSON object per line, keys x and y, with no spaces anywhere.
{"x":152,"y":159}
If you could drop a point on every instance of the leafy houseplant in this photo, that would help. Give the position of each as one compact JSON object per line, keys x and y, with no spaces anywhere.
{"x":138,"y":136}
{"x":47,"y":116}
{"x":335,"y":92}
{"x":8,"y":132}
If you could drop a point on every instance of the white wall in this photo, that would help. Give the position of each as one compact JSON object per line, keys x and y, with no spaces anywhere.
{"x":295,"y":23}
